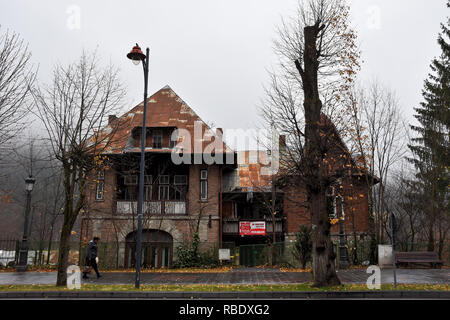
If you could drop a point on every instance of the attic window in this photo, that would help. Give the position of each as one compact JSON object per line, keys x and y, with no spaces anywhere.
{"x":174,"y":138}
{"x":157,"y":139}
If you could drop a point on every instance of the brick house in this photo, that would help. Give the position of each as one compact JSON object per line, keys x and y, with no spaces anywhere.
{"x":214,"y":197}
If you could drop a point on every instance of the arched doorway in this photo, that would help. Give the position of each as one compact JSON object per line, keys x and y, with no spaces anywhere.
{"x":157,"y":249}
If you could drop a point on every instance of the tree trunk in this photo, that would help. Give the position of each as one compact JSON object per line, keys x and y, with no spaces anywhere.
{"x":63,"y":255}
{"x":323,"y":252}
{"x":49,"y":250}
{"x":323,"y":256}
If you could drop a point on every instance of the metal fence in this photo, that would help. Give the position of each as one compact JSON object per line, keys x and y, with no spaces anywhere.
{"x":114,"y":255}
{"x":9,"y":248}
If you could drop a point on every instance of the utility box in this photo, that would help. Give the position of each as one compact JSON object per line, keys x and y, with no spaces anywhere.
{"x":384,"y":256}
{"x":224,"y":254}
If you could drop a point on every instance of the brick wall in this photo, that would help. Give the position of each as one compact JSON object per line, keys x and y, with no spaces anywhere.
{"x":101,"y":219}
{"x":356,"y":209}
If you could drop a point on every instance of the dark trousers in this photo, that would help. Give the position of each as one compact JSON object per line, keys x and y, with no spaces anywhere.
{"x":92,"y":263}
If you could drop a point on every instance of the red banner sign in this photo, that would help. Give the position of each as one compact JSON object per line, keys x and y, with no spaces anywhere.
{"x":252,"y":228}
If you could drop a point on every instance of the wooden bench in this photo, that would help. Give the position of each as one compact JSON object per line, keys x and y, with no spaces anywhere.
{"x":405,"y":258}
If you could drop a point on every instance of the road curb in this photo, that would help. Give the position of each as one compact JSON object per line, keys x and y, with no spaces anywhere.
{"x":109,"y":295}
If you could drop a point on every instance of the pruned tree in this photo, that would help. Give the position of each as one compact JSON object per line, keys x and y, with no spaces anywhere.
{"x":73,"y":109}
{"x":16,"y":79}
{"x":318,"y":61}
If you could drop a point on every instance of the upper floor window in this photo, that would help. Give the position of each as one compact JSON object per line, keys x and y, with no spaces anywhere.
{"x":203,"y":184}
{"x":180,"y":180}
{"x":163,"y":192}
{"x":131,"y":180}
{"x":331,"y":203}
{"x":99,"y":190}
{"x":157,"y":138}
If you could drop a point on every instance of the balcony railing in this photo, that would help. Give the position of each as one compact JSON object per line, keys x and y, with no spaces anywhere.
{"x":231,"y":226}
{"x":152,"y":207}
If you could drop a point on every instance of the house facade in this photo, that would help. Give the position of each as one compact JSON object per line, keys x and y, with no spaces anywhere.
{"x":194,"y":183}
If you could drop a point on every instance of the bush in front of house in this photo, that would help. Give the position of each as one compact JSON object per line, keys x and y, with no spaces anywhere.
{"x":302,"y":249}
{"x":189,"y":256}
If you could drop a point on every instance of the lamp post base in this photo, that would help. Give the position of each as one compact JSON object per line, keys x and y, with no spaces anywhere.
{"x":343,"y":265}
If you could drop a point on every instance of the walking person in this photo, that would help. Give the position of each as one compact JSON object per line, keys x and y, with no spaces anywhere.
{"x":91,"y":258}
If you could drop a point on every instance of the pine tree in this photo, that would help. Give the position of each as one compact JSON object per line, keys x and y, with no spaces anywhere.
{"x":431,"y":145}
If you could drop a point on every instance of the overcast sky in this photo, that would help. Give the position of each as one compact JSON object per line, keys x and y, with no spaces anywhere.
{"x":214,"y":53}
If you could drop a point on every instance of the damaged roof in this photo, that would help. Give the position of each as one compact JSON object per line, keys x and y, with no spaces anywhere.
{"x":164,"y":109}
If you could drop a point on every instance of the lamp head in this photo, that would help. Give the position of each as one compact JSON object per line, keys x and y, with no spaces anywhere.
{"x":136,"y":55}
{"x":29,"y":183}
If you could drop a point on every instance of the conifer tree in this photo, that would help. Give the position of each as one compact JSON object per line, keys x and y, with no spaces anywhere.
{"x":430,"y":146}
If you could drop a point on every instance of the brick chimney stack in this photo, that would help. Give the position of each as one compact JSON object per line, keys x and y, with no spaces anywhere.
{"x":111,"y":118}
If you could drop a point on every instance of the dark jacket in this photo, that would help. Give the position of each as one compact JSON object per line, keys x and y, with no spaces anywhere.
{"x":91,"y":251}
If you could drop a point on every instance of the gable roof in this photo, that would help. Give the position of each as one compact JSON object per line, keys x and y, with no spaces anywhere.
{"x":164,"y":109}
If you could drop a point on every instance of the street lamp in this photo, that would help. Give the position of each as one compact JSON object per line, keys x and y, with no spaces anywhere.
{"x":136,"y":56}
{"x":23,"y":251}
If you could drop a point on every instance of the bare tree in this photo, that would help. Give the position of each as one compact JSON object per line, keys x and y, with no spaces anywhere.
{"x":74,"y":109}
{"x":378,"y":136}
{"x":16,"y":79}
{"x":318,"y":61}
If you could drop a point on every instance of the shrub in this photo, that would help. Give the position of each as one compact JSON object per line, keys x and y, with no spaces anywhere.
{"x":302,"y":250}
{"x":189,"y":256}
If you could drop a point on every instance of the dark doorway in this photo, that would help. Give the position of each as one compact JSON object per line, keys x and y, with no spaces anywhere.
{"x":157,"y":249}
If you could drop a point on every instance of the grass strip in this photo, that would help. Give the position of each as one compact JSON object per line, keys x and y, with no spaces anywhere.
{"x":227,"y":288}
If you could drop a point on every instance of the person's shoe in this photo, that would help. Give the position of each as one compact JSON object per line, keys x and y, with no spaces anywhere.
{"x":99,"y":276}
{"x":85,"y":276}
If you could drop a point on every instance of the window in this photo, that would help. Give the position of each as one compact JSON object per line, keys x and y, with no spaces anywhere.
{"x":157,"y":139}
{"x":163,"y":193}
{"x":174,"y":138}
{"x":331,"y":203}
{"x":179,"y":193}
{"x":99,"y":190}
{"x":147,"y":180}
{"x":203,"y":184}
{"x":164,"y":179}
{"x":131,"y":180}
{"x":148,"y":190}
{"x":180,"y":180}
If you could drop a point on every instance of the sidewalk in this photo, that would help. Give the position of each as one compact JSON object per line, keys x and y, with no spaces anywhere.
{"x":240,"y":276}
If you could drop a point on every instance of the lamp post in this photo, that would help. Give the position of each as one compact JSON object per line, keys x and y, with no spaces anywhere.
{"x":23,"y":250}
{"x":393,"y":227}
{"x":136,"y":56}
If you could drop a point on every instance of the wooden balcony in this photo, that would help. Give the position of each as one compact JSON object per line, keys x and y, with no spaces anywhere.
{"x":152,"y":207}
{"x":231,"y":226}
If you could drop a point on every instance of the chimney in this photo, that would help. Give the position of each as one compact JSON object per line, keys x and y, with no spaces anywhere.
{"x":282,"y":141}
{"x":219,"y":133}
{"x":281,"y":150}
{"x":111,"y":118}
